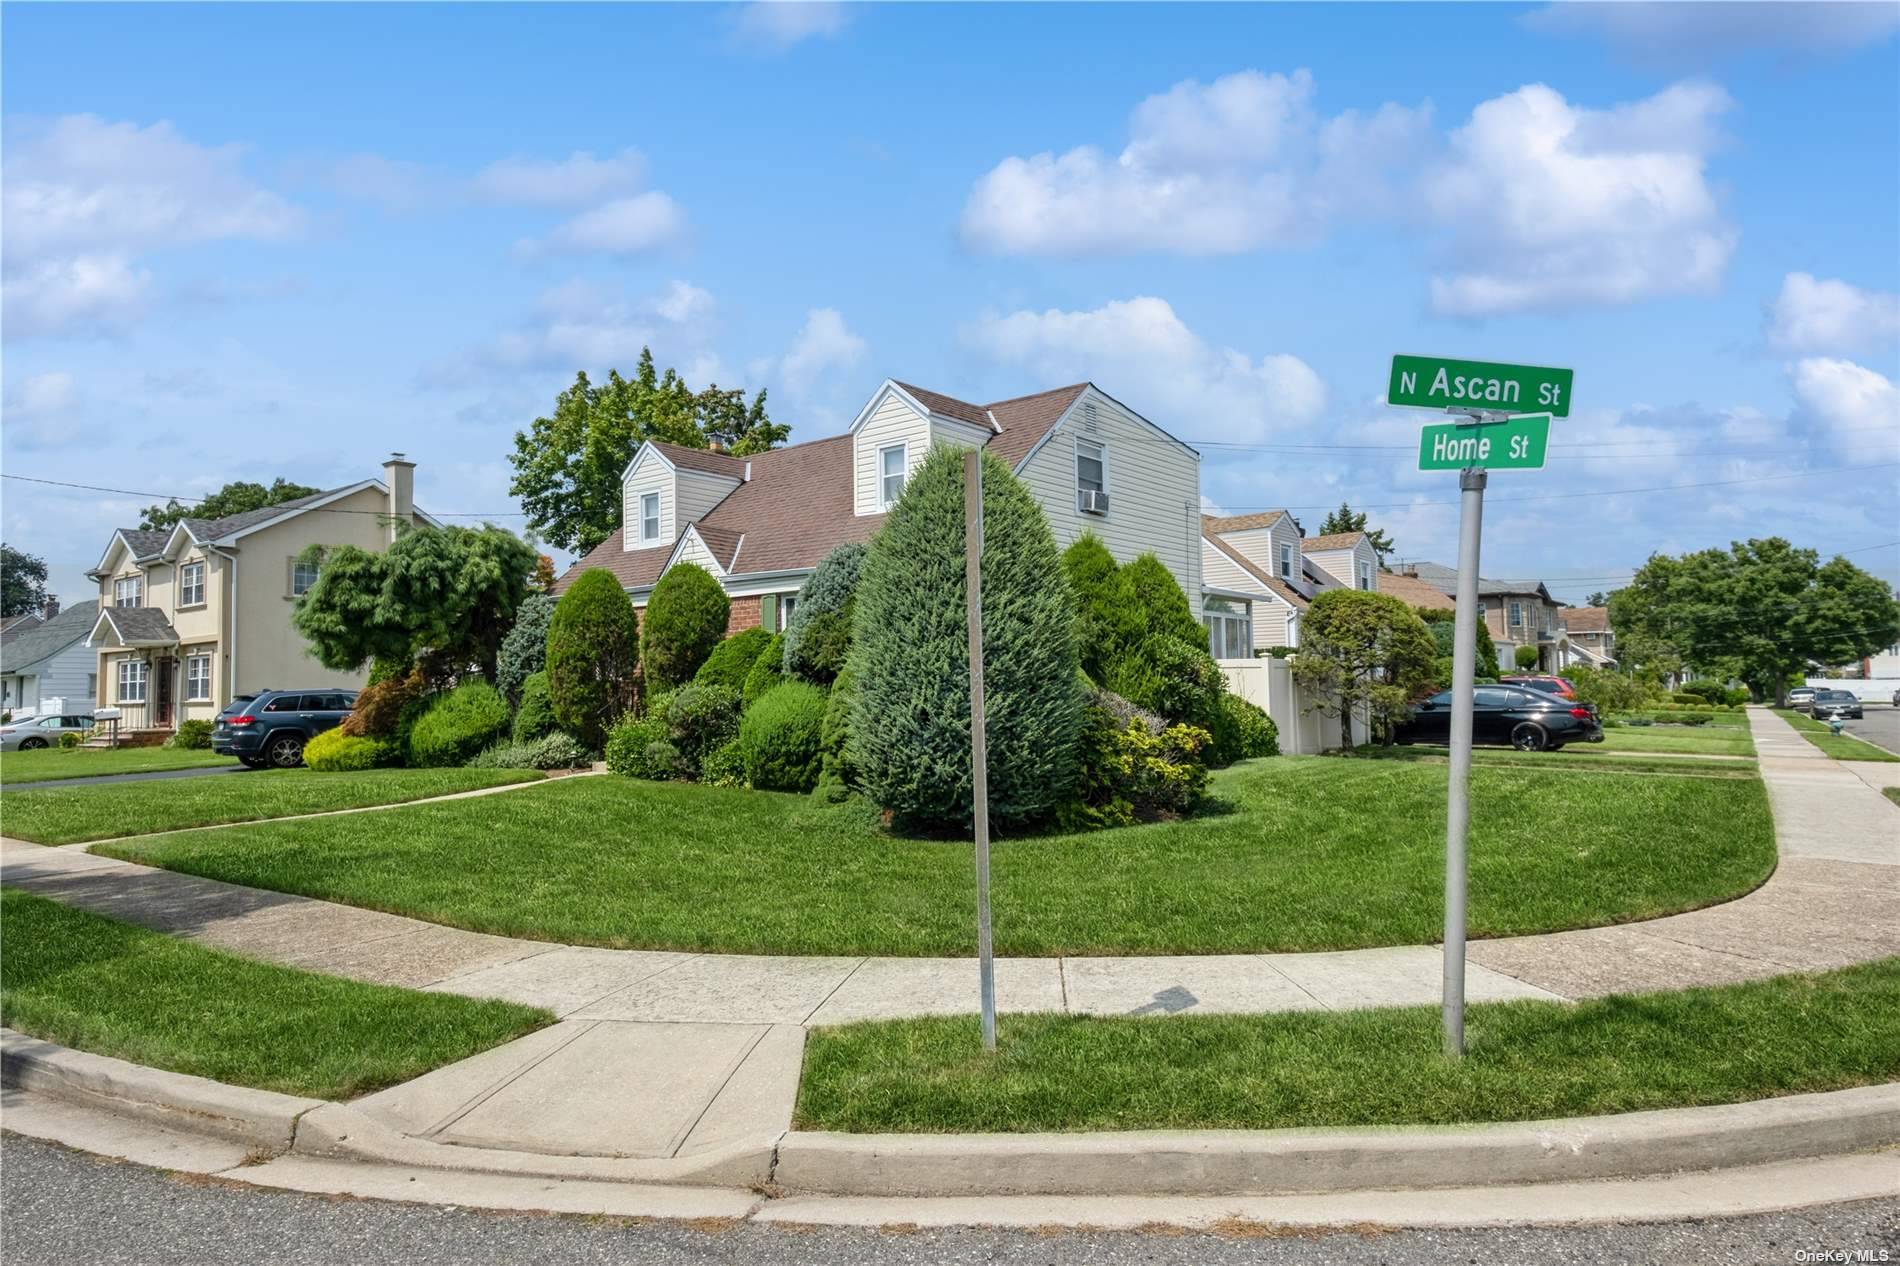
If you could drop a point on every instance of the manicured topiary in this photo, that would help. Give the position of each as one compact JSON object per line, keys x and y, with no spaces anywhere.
{"x":733,"y":658}
{"x":1107,"y":618}
{"x":836,"y":779}
{"x":767,"y":671}
{"x":685,"y":618}
{"x":781,"y":735}
{"x":524,"y":651}
{"x":910,"y":718}
{"x":818,"y":636}
{"x":699,"y":717}
{"x":458,"y":725}
{"x":535,"y":717}
{"x":333,"y":751}
{"x":1162,"y":605}
{"x":1526,"y":657}
{"x":1246,"y":732}
{"x":593,"y":655}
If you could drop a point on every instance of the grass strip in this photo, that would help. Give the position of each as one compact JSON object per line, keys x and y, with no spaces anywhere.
{"x":99,"y":985}
{"x":84,"y":762}
{"x":1674,"y":738}
{"x":1526,"y":1061}
{"x":68,"y":815}
{"x":1579,"y":759}
{"x":1838,"y":746}
{"x":1892,"y":793}
{"x":1296,"y":854}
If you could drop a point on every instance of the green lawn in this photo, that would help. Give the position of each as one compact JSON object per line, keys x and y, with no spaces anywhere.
{"x":99,"y":985}
{"x":1308,"y":854}
{"x":80,"y":762}
{"x":1588,"y":759}
{"x":1892,"y":793}
{"x":67,"y":815}
{"x":1698,"y":740}
{"x":1718,"y":720}
{"x":1525,"y":1061}
{"x":1838,"y":746}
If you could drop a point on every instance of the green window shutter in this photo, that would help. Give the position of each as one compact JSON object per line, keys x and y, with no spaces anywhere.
{"x":768,"y":613}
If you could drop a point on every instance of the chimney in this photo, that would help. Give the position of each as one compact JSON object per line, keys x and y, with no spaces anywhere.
{"x":717,"y":446}
{"x":399,"y":474}
{"x":51,"y":608}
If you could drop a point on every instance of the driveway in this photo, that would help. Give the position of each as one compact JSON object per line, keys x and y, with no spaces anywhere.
{"x":100,"y":780}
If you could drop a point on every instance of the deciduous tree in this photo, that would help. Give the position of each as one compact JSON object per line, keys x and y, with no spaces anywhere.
{"x":234,"y":498}
{"x":1360,"y":649}
{"x":22,"y":582}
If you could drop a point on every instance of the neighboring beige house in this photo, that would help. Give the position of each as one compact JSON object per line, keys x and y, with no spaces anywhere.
{"x":760,"y":524}
{"x":193,"y":615}
{"x":1266,"y":559}
{"x":1518,"y":613}
{"x":1592,"y":641}
{"x":1347,"y":557}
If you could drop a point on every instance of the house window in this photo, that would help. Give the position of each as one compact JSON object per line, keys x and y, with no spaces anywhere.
{"x":1365,"y":575}
{"x":131,"y":681}
{"x":125,"y":591}
{"x":1091,"y":473}
{"x":1517,"y":613}
{"x":191,"y":585}
{"x":649,"y":516}
{"x":92,"y":685}
{"x":197,"y":678}
{"x":1229,"y":629}
{"x":892,"y":462}
{"x":1286,"y":562}
{"x":785,"y":604}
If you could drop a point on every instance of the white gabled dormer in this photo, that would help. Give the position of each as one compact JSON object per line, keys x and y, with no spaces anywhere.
{"x":889,"y":439}
{"x":660,"y":494}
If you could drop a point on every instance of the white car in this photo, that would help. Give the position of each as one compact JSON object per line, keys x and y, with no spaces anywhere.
{"x":40,"y":732}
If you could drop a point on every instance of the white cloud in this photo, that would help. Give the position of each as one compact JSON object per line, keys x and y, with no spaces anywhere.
{"x":1669,"y":31}
{"x":779,"y":24}
{"x":1554,"y":205}
{"x":1857,"y":409}
{"x":825,"y":343}
{"x":1815,"y":315}
{"x":580,"y":325}
{"x":81,"y":198}
{"x":625,"y":226}
{"x":1165,"y":371}
{"x":1209,"y":169}
{"x":40,"y":412}
{"x":393,"y":184}
{"x":576,"y":180}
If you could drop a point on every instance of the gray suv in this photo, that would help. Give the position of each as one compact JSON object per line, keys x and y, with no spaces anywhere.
{"x":272,"y":728}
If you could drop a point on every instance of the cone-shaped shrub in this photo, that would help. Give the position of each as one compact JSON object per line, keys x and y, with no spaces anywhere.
{"x":685,"y":618}
{"x":1163,"y":607}
{"x":524,"y":651}
{"x":909,"y":663}
{"x":1107,"y":619}
{"x":818,"y":636}
{"x":733,"y":658}
{"x":593,"y":652}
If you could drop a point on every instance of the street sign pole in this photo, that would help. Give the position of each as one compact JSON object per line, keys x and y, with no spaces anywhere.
{"x":979,"y":740}
{"x":1464,"y":672}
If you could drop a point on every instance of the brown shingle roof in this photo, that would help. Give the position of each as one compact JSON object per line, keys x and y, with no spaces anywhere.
{"x":1026,"y":419}
{"x":701,"y":459}
{"x":798,"y":506}
{"x":949,"y":406}
{"x":1587,"y":619}
{"x":1279,"y":588}
{"x":1338,"y":540}
{"x":1413,"y":591}
{"x":1242,"y":522}
{"x":633,"y":568}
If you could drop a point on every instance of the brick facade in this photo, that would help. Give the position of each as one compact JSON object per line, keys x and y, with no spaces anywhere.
{"x":745,"y":615}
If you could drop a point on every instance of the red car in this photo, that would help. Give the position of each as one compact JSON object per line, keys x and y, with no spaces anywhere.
{"x":1549,"y":685}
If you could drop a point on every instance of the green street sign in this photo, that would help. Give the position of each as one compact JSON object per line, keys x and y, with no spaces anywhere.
{"x":1518,"y":444}
{"x":1432,"y":382}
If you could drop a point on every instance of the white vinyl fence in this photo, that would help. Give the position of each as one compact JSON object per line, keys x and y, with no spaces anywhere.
{"x":1268,"y":684}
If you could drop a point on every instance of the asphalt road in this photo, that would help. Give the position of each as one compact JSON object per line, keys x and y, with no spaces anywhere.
{"x":65,"y":1209}
{"x":1881,"y":725}
{"x":150,"y":775}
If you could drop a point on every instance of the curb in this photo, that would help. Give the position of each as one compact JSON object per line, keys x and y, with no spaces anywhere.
{"x":174,"y":1100}
{"x":1234,"y":1162}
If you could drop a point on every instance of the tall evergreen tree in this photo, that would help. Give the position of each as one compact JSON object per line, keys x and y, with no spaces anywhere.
{"x":1345,"y":519}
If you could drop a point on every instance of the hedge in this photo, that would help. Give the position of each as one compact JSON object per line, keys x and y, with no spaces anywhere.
{"x":1163,"y":607}
{"x":1108,"y":619}
{"x":593,"y":653}
{"x":700,"y":716}
{"x":818,"y":636}
{"x":780,"y":738}
{"x":910,"y":717}
{"x":686,"y":616}
{"x":639,"y":748}
{"x":733,"y":658}
{"x":458,"y":725}
{"x":767,"y":671}
{"x":334,"y":752}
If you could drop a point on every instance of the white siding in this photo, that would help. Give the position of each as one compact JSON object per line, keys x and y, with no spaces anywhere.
{"x":1154,"y":490}
{"x":1343,"y":564}
{"x":649,"y":474}
{"x":893,"y":422}
{"x":64,"y":676}
{"x":699,"y":492}
{"x":694,"y":551}
{"x":1261,"y":546}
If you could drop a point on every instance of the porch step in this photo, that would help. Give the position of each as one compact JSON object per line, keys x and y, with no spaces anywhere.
{"x":130,"y":738}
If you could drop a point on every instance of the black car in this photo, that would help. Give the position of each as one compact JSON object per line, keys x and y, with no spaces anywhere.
{"x":1529,"y":720}
{"x":271,"y":728}
{"x":1835,"y":703}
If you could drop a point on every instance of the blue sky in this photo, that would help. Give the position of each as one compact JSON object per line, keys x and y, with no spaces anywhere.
{"x":250,"y":241}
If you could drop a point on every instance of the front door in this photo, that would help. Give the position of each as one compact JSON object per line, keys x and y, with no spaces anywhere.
{"x":162,"y":691}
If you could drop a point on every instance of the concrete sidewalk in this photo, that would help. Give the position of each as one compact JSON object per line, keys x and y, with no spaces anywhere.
{"x":662,"y":1054}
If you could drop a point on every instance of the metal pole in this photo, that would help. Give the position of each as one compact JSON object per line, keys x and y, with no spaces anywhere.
{"x":979,"y":740}
{"x":1464,"y":670}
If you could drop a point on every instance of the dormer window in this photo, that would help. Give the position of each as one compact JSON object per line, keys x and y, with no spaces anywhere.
{"x":1286,"y":562}
{"x":125,"y":591}
{"x":649,"y":517}
{"x":892,"y":463}
{"x":1365,"y":575}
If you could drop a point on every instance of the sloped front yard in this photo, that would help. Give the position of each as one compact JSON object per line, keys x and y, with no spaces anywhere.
{"x":1303,"y":854}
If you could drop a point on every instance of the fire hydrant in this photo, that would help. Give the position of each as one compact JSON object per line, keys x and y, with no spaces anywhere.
{"x":1837,"y":723}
